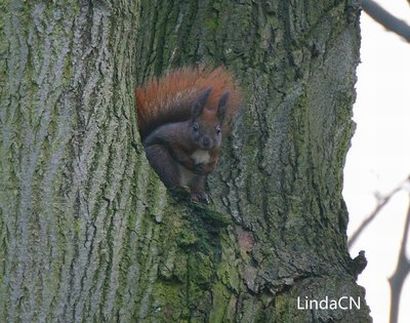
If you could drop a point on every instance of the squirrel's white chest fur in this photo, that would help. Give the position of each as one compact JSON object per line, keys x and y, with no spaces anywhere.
{"x":185,"y":175}
{"x":201,"y":156}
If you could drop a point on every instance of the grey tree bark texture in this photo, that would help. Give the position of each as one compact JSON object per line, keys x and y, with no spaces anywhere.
{"x":88,"y":231}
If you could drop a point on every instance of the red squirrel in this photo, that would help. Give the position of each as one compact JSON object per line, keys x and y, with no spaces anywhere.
{"x":182,"y":118}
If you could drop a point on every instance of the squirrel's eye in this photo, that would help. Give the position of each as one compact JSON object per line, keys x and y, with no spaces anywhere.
{"x":195,"y":126}
{"x":218,"y":130}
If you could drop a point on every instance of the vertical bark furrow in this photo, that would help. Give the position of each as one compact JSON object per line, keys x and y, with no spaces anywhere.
{"x":15,"y":65}
{"x":134,"y":246}
{"x":52,"y":202}
{"x":149,"y":274}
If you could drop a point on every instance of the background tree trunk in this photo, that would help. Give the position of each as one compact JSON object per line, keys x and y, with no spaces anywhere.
{"x":88,"y":232}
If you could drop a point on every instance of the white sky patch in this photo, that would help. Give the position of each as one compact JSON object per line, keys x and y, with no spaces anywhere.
{"x":379,"y":158}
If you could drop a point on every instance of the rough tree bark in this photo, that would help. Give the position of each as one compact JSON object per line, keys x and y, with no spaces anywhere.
{"x":68,"y":167}
{"x":89,"y":233}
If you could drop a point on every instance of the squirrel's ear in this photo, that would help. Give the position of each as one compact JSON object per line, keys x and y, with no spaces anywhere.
{"x":199,"y":102}
{"x":222,"y":105}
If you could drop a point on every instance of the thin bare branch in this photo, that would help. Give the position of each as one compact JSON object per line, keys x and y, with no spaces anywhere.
{"x":397,"y":280}
{"x":381,"y":202}
{"x":386,"y":19}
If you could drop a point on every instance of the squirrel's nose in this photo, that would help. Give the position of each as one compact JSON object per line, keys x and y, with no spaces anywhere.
{"x":206,"y":142}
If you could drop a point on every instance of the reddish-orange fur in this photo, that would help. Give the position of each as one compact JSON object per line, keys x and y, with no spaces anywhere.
{"x":168,"y":99}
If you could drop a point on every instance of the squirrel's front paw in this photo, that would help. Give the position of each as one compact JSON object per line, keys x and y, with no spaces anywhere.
{"x":200,"y":197}
{"x":199,"y":169}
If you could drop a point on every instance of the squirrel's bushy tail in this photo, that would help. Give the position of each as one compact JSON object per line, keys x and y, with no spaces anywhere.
{"x":169,"y":98}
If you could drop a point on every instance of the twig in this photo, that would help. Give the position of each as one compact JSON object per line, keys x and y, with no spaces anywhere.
{"x":386,"y":19}
{"x":397,"y":280}
{"x":381,"y":202}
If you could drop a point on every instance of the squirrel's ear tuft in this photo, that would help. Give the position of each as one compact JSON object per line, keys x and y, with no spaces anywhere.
{"x":200,"y":101}
{"x":222,"y":105}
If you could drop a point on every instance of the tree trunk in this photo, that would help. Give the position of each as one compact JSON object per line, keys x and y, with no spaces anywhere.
{"x":88,"y":231}
{"x":68,"y":167}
